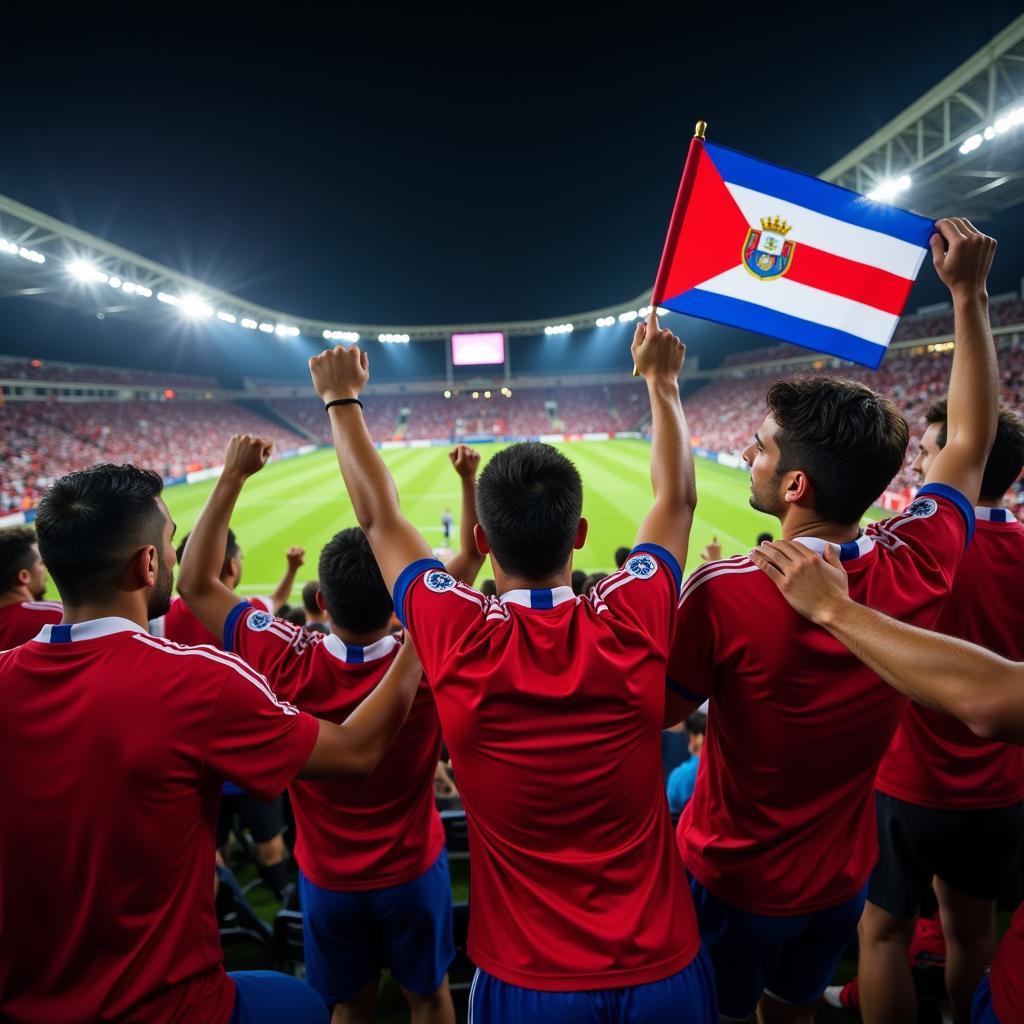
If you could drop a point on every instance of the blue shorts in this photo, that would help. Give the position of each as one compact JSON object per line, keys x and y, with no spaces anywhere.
{"x":791,"y":959}
{"x":687,"y":997}
{"x":981,"y":1007}
{"x":350,"y":936}
{"x":266,"y":997}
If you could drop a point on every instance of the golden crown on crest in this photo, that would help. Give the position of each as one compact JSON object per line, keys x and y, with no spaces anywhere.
{"x":776,"y":224}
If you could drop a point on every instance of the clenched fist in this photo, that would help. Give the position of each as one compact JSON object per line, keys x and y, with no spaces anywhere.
{"x":466,"y":460}
{"x":246,"y":455}
{"x":339,"y":372}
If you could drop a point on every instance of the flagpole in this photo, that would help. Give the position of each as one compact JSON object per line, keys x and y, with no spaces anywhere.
{"x":675,"y":224}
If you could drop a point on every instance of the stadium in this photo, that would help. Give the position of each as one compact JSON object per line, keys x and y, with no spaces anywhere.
{"x":110,"y":355}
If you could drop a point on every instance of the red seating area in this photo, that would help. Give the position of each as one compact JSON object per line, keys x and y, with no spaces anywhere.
{"x":43,"y":440}
{"x":37,"y":369}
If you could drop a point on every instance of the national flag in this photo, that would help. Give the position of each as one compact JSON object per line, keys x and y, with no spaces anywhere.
{"x":781,"y":253}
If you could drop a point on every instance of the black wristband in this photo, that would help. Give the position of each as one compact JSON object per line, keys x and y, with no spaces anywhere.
{"x":343,"y":401}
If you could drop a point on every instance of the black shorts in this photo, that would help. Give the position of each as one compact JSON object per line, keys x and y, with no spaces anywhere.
{"x":978,"y":853}
{"x":264,"y":820}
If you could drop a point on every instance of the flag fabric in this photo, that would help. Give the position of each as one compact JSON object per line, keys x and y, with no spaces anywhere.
{"x":769,"y":250}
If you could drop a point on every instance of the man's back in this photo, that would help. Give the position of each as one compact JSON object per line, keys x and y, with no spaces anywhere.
{"x":551,"y":706}
{"x":935,"y":760}
{"x":782,"y":819}
{"x":112,"y":751}
{"x":22,"y":620}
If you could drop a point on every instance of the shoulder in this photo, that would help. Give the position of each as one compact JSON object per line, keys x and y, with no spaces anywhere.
{"x":202,"y":659}
{"x":53,"y":610}
{"x":725,"y":575}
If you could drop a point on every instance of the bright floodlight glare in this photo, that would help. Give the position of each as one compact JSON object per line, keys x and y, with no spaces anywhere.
{"x":487,"y":394}
{"x":267,"y":328}
{"x":228,"y":318}
{"x":171,"y":300}
{"x":630,"y":314}
{"x":31,"y":255}
{"x":248,"y":323}
{"x":605,"y":321}
{"x":286,"y":331}
{"x":194,"y":306}
{"x":888,"y":190}
{"x":6,"y":246}
{"x":1011,"y":119}
{"x":115,"y":282}
{"x":82,"y":269}
{"x":447,"y":394}
{"x":328,"y":335}
{"x":476,"y":394}
{"x":146,"y":293}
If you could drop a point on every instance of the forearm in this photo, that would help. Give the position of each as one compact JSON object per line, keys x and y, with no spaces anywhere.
{"x":672,"y":475}
{"x":466,"y":562}
{"x":974,"y":380}
{"x":204,"y":553}
{"x":283,"y":591}
{"x":983,"y":690}
{"x":356,"y":746}
{"x":369,"y":484}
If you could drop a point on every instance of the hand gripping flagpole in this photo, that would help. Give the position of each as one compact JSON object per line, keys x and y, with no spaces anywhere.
{"x":675,"y":224}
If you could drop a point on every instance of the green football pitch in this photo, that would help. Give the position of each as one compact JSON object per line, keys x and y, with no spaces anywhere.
{"x":302,"y":501}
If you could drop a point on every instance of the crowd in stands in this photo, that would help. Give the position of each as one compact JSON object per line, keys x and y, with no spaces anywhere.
{"x":48,"y":370}
{"x":40,"y":441}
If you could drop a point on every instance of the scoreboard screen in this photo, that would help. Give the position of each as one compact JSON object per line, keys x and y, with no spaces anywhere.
{"x":478,"y":349}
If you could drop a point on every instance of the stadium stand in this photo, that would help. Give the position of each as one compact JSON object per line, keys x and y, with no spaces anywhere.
{"x":38,"y":370}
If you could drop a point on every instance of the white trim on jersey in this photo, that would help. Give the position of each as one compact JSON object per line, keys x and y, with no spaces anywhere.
{"x":864,"y":545}
{"x":381,"y":648}
{"x":245,"y":670}
{"x":724,"y":569}
{"x":43,"y":606}
{"x":995,"y":515}
{"x":93,"y":629}
{"x":559,"y":595}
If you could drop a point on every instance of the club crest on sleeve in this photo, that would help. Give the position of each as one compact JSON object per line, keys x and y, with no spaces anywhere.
{"x":438,"y":581}
{"x":259,"y":621}
{"x":922,"y":508}
{"x":641,"y":566}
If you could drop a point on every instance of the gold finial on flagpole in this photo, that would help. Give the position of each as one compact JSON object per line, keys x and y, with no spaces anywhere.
{"x":699,"y":130}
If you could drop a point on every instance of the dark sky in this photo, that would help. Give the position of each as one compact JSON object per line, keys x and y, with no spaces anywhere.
{"x":430,"y":174}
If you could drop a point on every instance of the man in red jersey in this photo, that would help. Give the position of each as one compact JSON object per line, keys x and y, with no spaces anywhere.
{"x":23,"y":612}
{"x":551,"y":707}
{"x":374,"y":882}
{"x":113,"y":747}
{"x":950,"y":804}
{"x":779,"y":837}
{"x":983,"y":690}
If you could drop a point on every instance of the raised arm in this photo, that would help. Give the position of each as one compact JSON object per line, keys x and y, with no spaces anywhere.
{"x":355,"y":747}
{"x":658,"y":355}
{"x":295,"y":558}
{"x":342,"y":373}
{"x":466,"y":562}
{"x":963,"y":256}
{"x":199,"y":580}
{"x":983,"y":690}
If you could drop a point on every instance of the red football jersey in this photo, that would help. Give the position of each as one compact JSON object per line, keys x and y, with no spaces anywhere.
{"x":1007,"y":977}
{"x":23,"y":620}
{"x":113,"y":747}
{"x":551,"y":707}
{"x":935,"y":760}
{"x":351,"y":836}
{"x":181,"y":625}
{"x":782,"y":820}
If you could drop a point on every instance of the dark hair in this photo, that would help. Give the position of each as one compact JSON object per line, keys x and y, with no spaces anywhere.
{"x":309,"y":597}
{"x":296,"y":616}
{"x":697,"y":724}
{"x":15,"y":554}
{"x":762,"y":537}
{"x":849,"y":441}
{"x":579,"y":577}
{"x":592,"y":581}
{"x":621,"y":554}
{"x":353,"y":589}
{"x":489,"y":588}
{"x":1005,"y":460}
{"x":91,"y":522}
{"x":529,"y":501}
{"x":231,"y":549}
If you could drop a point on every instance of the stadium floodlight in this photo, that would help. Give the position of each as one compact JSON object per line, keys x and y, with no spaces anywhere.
{"x":171,"y":300}
{"x":487,"y":394}
{"x":286,"y":331}
{"x":114,"y":282}
{"x":267,"y":328}
{"x":249,"y":324}
{"x":348,"y":335}
{"x":146,"y":293}
{"x":644,"y":311}
{"x":559,"y":329}
{"x":8,"y":247}
{"x":328,"y":335}
{"x":888,"y":190}
{"x":128,"y":287}
{"x":476,"y":394}
{"x":83,"y":270}
{"x":628,"y":316}
{"x":447,"y":394}
{"x":605,"y":321}
{"x":393,"y":339}
{"x":31,"y":255}
{"x":194,"y":306}
{"x":228,"y":318}
{"x":1011,"y":119}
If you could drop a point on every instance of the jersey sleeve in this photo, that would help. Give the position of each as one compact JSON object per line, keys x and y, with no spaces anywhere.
{"x":263,"y":603}
{"x":274,"y":647}
{"x":924,"y":545}
{"x":691,"y":662}
{"x":643,"y":593}
{"x":437,"y":610}
{"x":255,"y":739}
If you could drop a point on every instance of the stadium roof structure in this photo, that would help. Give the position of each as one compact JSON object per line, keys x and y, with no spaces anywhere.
{"x":960,"y":145}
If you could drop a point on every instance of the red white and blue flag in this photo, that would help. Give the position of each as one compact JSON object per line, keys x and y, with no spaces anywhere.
{"x":780,"y":253}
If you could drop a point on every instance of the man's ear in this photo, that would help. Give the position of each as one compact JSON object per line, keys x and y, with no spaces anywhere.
{"x":143,"y":569}
{"x":581,"y":534}
{"x":320,"y":601}
{"x":481,"y":540}
{"x":798,"y":487}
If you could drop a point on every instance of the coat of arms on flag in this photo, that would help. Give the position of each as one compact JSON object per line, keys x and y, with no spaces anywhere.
{"x":776,"y":252}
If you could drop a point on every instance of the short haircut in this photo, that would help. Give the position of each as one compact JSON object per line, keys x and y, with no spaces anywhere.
{"x":231,"y":549}
{"x":529,"y":501}
{"x":697,"y":724}
{"x":1005,"y":460}
{"x":351,"y":584}
{"x":849,"y":441}
{"x":579,"y":577}
{"x":621,"y":554}
{"x":309,"y":597}
{"x":15,"y":554}
{"x":592,"y":581}
{"x":91,"y":522}
{"x":762,"y":537}
{"x":296,"y":616}
{"x":489,"y":588}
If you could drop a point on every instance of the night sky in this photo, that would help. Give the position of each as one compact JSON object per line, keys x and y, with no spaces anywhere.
{"x":434,"y":175}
